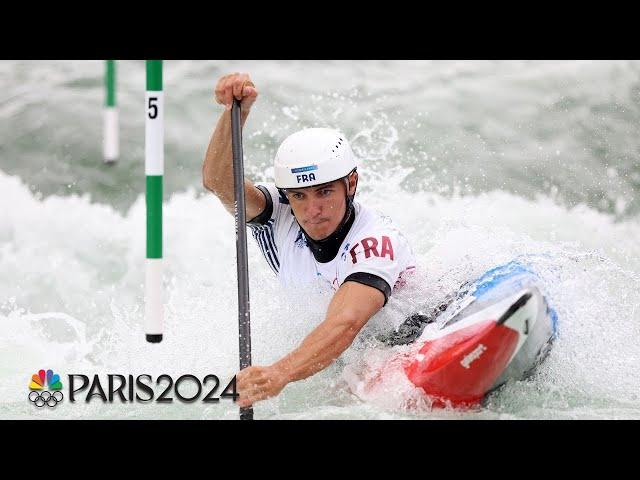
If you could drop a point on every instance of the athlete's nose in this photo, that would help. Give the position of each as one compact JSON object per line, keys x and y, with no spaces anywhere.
{"x":314,"y":209}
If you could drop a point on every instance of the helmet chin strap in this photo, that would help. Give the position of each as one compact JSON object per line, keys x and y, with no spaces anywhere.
{"x":326,"y":249}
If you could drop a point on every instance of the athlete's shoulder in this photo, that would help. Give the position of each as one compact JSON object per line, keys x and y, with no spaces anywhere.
{"x":278,"y":210}
{"x":377,"y":253}
{"x":276,"y":195}
{"x":369,"y":220}
{"x":374,"y":234}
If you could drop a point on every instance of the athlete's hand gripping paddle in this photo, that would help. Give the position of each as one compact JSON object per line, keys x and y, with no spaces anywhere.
{"x":246,"y":413}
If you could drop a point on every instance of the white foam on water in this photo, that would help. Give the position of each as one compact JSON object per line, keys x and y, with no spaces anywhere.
{"x":72,"y":300}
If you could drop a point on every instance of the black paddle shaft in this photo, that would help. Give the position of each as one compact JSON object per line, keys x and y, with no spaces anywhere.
{"x":244,"y":320}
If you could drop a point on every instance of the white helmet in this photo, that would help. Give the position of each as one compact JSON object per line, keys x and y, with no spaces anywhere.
{"x":312,"y":157}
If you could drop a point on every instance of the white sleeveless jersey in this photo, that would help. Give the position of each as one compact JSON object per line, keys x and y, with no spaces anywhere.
{"x":374,"y":252}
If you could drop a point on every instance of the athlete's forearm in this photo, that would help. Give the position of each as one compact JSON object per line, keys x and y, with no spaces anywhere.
{"x":319,"y":349}
{"x":217,"y":170}
{"x":350,"y":309}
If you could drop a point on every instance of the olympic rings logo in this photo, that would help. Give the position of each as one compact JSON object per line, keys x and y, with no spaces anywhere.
{"x":40,"y":399}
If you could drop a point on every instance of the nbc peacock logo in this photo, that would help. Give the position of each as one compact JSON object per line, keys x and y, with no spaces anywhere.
{"x":41,"y":397}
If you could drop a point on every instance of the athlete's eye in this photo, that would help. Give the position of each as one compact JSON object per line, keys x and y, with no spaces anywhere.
{"x":325,"y":191}
{"x":296,"y":195}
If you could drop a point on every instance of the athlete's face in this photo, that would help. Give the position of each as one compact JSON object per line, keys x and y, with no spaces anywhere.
{"x":320,"y":209}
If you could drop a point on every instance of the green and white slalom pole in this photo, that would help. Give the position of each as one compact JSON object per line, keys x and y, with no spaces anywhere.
{"x":154,"y":169}
{"x":110,"y":141}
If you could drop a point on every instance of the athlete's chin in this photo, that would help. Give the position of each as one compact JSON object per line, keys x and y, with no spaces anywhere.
{"x":316,"y":235}
{"x":318,"y":231}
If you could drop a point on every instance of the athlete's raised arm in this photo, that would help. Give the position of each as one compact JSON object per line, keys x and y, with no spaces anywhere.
{"x":350,"y":309}
{"x":217,"y":170}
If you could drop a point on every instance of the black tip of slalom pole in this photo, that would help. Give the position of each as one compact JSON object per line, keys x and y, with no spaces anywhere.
{"x":154,"y":338}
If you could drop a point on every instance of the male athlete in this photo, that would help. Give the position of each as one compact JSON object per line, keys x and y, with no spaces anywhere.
{"x":310,"y":230}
